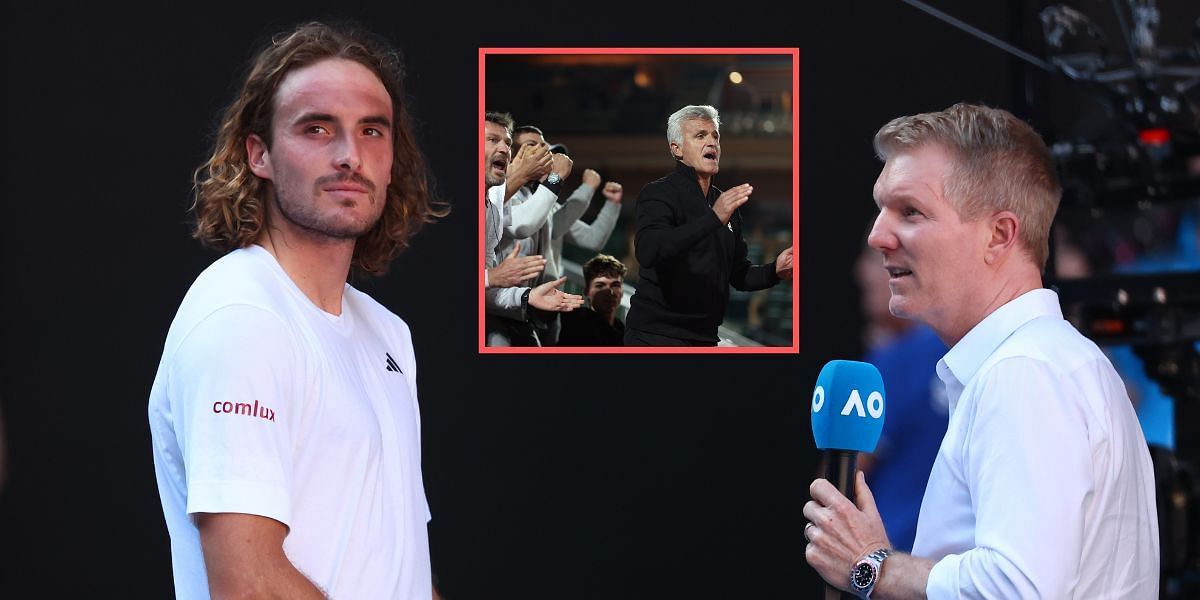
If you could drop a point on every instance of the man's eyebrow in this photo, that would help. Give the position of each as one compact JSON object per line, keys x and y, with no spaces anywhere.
{"x":376,"y":120}
{"x":313,"y":116}
{"x":328,"y":118}
{"x":903,"y":197}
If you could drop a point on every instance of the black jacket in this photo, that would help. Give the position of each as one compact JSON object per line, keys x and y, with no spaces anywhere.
{"x":585,"y":327}
{"x":688,"y":260}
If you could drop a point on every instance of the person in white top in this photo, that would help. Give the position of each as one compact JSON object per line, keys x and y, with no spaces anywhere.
{"x":1043,"y":485}
{"x":283,"y":416}
{"x":507,"y":300}
{"x":564,"y":223}
{"x":535,"y":221}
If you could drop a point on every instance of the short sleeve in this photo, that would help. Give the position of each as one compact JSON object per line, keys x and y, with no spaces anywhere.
{"x":231,"y":392}
{"x":410,"y":370}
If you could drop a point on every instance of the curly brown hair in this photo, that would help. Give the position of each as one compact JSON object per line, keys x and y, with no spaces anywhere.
{"x":229,"y":201}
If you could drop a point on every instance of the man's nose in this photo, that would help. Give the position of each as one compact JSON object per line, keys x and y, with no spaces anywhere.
{"x":347,"y":156}
{"x":881,"y":237}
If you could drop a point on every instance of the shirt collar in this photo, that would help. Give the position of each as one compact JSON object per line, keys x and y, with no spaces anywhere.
{"x":969,"y":354}
{"x":496,"y":195}
{"x":685,"y":170}
{"x":690,"y":174}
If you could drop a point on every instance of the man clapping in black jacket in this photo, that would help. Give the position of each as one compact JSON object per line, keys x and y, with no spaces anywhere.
{"x":689,"y":242}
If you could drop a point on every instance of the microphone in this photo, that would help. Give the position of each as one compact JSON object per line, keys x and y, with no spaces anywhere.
{"x":847,"y":418}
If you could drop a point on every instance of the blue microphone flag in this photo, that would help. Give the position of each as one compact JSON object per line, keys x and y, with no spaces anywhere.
{"x":848,"y":406}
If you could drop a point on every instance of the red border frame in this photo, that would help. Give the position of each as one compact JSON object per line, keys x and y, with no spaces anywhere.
{"x":795,"y":347}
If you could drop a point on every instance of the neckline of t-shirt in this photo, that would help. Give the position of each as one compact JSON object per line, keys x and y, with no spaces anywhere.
{"x":342,"y":323}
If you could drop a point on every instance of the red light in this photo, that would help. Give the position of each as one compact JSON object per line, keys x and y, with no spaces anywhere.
{"x":1108,"y":326}
{"x":1154,"y":137}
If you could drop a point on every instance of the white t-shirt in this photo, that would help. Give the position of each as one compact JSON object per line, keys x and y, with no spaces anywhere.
{"x":264,"y":404}
{"x":1043,"y":486}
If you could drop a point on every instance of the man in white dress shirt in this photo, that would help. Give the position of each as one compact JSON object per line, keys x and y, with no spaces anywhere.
{"x":1043,"y":486}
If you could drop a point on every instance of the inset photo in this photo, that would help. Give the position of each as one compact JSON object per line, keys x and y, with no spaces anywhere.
{"x":638,"y":200}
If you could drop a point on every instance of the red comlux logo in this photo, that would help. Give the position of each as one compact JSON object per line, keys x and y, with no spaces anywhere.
{"x":242,"y":408}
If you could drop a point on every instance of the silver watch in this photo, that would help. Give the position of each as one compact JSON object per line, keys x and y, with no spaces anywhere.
{"x":865,"y":572}
{"x":553,"y":178}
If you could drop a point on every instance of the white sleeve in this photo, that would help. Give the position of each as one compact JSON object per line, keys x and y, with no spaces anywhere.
{"x":230,"y":387}
{"x":570,"y":211}
{"x":525,"y":219}
{"x":409,"y":357}
{"x":1028,"y":466}
{"x":595,"y":236}
{"x":504,"y":302}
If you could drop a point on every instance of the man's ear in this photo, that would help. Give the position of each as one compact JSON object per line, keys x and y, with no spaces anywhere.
{"x":676,"y":151}
{"x":259,"y":157}
{"x":1004,"y":231}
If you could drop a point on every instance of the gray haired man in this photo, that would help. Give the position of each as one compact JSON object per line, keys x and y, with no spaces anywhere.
{"x":689,"y":242}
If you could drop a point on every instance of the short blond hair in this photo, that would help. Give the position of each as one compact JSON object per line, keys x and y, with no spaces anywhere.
{"x":1000,"y":163}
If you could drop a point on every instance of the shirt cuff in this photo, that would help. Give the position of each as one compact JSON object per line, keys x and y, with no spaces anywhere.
{"x":773,"y":277}
{"x":943,"y":578}
{"x":244,"y":497}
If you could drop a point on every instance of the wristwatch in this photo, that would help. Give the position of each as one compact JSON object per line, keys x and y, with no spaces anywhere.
{"x":525,"y":300}
{"x":865,"y":572}
{"x":553,"y":178}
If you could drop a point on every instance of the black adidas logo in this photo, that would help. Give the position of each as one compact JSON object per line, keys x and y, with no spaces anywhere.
{"x":391,"y":364}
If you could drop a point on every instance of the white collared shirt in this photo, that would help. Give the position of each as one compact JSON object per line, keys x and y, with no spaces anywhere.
{"x":495,"y":195}
{"x":1043,"y":486}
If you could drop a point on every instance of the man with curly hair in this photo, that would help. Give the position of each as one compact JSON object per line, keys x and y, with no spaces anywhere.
{"x":284,"y":416}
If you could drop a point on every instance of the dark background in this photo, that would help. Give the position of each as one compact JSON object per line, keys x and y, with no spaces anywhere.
{"x":548,"y":476}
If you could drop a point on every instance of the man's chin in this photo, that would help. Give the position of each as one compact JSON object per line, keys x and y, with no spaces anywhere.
{"x":349,"y":229}
{"x":900,"y":307}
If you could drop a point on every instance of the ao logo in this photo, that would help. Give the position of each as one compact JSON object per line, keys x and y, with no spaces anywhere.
{"x":854,"y":402}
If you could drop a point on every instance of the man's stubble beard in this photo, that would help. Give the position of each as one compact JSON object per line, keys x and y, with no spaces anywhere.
{"x":488,"y":180}
{"x":307,"y":218}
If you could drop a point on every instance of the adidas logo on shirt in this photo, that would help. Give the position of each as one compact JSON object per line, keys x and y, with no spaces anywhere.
{"x":391,"y":364}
